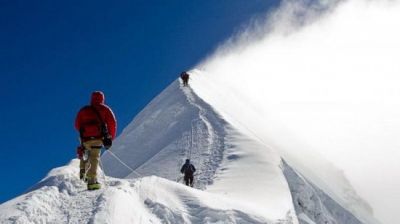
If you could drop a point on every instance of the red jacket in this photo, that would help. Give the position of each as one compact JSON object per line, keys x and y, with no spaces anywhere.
{"x":87,"y":121}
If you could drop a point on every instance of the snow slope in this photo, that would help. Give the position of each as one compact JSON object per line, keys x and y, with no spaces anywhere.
{"x":195,"y":131}
{"x":174,"y":126}
{"x":231,"y":160}
{"x":292,"y":124}
{"x":239,"y":179}
{"x":62,"y":198}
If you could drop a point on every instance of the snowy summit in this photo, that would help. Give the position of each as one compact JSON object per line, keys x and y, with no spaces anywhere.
{"x":238,"y":179}
{"x":294,"y":122}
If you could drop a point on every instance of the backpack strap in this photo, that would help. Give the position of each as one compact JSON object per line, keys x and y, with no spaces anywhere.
{"x":104,"y":129}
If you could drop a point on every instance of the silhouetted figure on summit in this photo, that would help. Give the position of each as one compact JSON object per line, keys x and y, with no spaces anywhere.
{"x":185,"y":78}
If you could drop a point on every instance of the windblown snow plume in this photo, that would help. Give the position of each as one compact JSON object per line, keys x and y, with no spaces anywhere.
{"x":294,"y":122}
{"x":320,"y":80}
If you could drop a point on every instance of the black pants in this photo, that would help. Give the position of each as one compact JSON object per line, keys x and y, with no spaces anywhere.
{"x":188,"y":180}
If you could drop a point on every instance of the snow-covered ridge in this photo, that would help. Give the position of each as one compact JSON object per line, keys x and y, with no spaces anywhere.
{"x":174,"y":126}
{"x":233,"y":161}
{"x":241,"y":180}
{"x":324,"y":98}
{"x":62,"y":198}
{"x":195,"y":131}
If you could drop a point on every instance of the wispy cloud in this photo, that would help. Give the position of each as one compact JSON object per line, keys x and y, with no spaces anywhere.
{"x":327,"y":74}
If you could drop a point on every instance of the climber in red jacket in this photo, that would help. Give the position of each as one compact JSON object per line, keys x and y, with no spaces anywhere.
{"x":97,"y":126}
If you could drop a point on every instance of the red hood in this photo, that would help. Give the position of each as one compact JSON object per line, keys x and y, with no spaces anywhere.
{"x":97,"y":98}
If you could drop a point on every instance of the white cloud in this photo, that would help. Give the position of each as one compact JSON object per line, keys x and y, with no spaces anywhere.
{"x":330,"y":80}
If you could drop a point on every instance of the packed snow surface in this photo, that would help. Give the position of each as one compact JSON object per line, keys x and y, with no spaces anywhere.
{"x":62,"y":198}
{"x":227,"y":162}
{"x":231,"y":161}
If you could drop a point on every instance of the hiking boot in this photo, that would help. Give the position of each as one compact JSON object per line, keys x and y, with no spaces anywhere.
{"x":93,"y":186}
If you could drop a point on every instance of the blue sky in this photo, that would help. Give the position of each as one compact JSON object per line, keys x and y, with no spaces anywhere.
{"x":53,"y":54}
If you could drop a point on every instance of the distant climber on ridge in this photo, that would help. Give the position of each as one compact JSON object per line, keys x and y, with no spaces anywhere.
{"x":188,"y":170}
{"x":97,"y":125}
{"x":185,"y":78}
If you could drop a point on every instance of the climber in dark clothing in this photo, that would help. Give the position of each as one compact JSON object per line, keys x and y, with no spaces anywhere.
{"x":188,"y":170}
{"x":185,"y":78}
